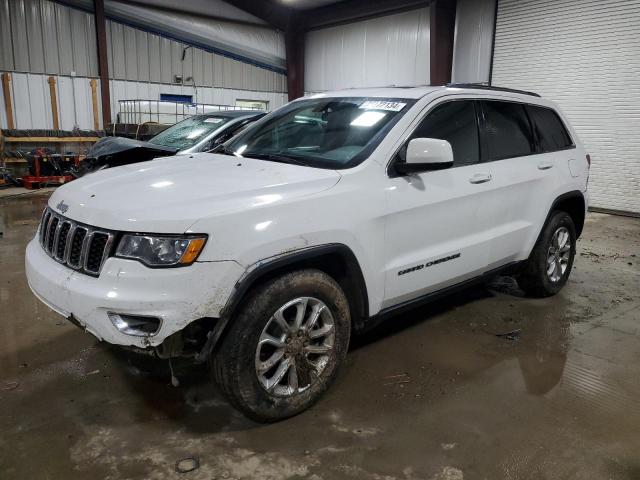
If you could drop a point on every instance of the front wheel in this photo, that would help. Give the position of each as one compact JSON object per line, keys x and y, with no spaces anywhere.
{"x":285,"y":345}
{"x":551,"y":260}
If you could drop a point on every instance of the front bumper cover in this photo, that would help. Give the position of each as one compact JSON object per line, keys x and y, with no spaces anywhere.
{"x":177,"y":296}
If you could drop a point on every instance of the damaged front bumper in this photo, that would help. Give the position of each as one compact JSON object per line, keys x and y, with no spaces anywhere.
{"x":175,"y":296}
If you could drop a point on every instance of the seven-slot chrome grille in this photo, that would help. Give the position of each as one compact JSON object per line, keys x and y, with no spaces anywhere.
{"x":81,"y":247}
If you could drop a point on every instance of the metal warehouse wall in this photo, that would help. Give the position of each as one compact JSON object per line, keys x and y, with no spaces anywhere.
{"x":473,"y":41}
{"x":390,"y":50}
{"x":32,"y":103}
{"x":252,"y":43}
{"x":30,"y":93}
{"x":142,"y":56}
{"x":40,"y":38}
{"x":585,"y":56}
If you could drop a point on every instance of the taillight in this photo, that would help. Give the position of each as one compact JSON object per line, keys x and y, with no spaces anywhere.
{"x":589,"y":160}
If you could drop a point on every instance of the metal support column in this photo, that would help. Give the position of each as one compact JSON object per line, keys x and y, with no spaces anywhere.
{"x":103,"y":63}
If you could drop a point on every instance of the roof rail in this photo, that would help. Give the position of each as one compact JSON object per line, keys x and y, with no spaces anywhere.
{"x":481,"y":86}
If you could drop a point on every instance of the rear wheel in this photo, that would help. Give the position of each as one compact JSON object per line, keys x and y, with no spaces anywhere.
{"x":551,"y":260}
{"x":284,"y":347}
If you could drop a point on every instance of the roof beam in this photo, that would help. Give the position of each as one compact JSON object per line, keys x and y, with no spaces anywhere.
{"x":354,"y":10}
{"x":273,"y":13}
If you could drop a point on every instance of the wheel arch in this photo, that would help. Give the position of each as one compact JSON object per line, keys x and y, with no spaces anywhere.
{"x":336,"y":260}
{"x":573,"y":203}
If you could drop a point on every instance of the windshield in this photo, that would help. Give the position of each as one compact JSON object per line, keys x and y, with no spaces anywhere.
{"x":188,"y":132}
{"x":321,"y":132}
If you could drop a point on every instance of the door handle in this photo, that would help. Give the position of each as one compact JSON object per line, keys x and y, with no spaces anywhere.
{"x":480,"y":178}
{"x":545,"y":166}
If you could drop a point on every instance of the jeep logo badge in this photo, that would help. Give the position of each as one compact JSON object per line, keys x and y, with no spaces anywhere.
{"x":63,"y":207}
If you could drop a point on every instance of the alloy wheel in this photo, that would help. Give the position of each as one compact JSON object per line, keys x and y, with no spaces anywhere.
{"x":558,"y":254}
{"x":294,"y":346}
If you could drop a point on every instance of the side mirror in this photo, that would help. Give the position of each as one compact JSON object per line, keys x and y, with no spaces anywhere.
{"x":425,"y":154}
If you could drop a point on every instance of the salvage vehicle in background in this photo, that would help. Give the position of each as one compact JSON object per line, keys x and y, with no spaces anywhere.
{"x":198,"y":133}
{"x":318,"y":221}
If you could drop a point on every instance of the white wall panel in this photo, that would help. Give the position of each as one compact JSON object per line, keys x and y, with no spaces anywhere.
{"x":20,"y":44}
{"x":126,"y":90}
{"x":198,"y":67}
{"x":83,"y":43}
{"x":207,"y":69}
{"x":50,"y":37}
{"x":66,"y":104}
{"x":65,"y":43}
{"x":473,"y":41}
{"x":130,"y":54}
{"x":83,"y":104}
{"x":187,"y":63}
{"x":585,"y":56}
{"x":142,"y":52}
{"x":166,"y":66}
{"x":218,"y":69}
{"x":32,"y":102}
{"x":6,"y":53}
{"x":21,"y":100}
{"x":390,"y":50}
{"x":34,"y":37}
{"x":39,"y":101}
{"x":42,"y":36}
{"x":154,"y":57}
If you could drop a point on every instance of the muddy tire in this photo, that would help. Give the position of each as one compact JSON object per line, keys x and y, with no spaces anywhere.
{"x":551,"y":260}
{"x":284,"y":346}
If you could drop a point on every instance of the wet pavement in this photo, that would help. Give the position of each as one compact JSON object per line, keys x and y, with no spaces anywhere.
{"x":483,"y":385}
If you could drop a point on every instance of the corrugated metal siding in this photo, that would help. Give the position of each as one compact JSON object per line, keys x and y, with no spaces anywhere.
{"x":32,"y":102}
{"x":141,"y":56}
{"x":473,"y":41}
{"x":65,"y":41}
{"x":126,"y":90}
{"x":585,"y":56}
{"x":6,"y":53}
{"x":40,"y":36}
{"x":390,"y":50}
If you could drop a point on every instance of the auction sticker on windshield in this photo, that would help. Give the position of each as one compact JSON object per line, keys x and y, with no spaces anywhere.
{"x":382,"y":105}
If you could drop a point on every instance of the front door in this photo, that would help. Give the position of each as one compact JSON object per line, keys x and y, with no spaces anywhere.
{"x":439,"y":222}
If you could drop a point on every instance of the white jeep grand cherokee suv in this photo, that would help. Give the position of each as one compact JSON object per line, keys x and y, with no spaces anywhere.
{"x":322,"y":218}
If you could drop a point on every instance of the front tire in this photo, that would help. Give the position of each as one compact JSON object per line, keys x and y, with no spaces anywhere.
{"x":551,"y":260}
{"x":284,"y":347}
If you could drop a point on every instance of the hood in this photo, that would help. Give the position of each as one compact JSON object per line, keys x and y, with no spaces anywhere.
{"x":121,"y":151}
{"x":168,"y":195}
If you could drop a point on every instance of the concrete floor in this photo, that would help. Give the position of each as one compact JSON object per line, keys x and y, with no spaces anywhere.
{"x":432,"y":394}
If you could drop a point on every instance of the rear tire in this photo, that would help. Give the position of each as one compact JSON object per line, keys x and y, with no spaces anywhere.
{"x":551,"y":260}
{"x":274,"y":335}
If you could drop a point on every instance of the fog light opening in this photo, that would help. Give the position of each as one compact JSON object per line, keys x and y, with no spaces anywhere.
{"x":136,"y":325}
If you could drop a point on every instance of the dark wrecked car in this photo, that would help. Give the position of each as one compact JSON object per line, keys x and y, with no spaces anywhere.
{"x":199,"y":133}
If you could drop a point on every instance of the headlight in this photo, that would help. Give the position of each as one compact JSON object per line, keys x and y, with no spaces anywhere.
{"x":159,"y":251}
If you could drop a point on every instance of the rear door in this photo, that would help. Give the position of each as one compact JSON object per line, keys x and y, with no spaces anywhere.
{"x":522,"y":177}
{"x":437,"y":221}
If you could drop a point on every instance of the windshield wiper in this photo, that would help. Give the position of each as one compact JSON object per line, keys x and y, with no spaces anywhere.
{"x":276,"y":157}
{"x":222,"y":148}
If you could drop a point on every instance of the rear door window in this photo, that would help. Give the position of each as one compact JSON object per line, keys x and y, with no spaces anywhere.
{"x":455,"y":122}
{"x":507,"y":131}
{"x":551,"y":132}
